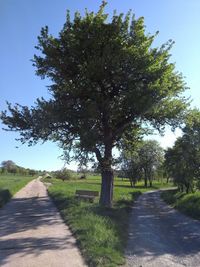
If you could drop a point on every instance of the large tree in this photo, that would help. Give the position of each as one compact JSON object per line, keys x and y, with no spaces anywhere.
{"x":106,"y":79}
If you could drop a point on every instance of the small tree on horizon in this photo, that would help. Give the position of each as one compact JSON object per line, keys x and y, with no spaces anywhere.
{"x":107,"y":79}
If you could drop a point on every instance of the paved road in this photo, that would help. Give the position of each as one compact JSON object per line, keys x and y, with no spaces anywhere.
{"x":32,"y":233}
{"x":159,"y":236}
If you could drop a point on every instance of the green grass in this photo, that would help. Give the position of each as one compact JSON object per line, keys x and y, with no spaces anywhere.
{"x":9,"y":185}
{"x":188,"y":204}
{"x":101,"y":232}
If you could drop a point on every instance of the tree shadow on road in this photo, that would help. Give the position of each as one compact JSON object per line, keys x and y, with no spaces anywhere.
{"x":157,"y":230}
{"x":22,"y":215}
{"x":5,"y":196}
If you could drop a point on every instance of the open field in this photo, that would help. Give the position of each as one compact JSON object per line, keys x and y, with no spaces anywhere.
{"x":101,"y":232}
{"x":188,"y":204}
{"x":10,"y":184}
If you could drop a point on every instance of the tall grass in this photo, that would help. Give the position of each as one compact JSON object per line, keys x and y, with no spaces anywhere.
{"x":188,"y":204}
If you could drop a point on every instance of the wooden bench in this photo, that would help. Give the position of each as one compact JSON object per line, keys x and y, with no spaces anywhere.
{"x":86,"y":194}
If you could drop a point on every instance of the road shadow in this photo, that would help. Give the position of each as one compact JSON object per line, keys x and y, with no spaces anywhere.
{"x":5,"y":196}
{"x":22,"y":215}
{"x":156,"y":229}
{"x":31,"y":246}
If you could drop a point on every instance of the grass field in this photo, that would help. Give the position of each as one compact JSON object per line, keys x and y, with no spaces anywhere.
{"x":188,"y":204}
{"x":101,"y":232}
{"x":9,"y":185}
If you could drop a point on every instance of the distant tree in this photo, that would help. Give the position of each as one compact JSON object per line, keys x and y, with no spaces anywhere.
{"x":131,"y":167}
{"x":32,"y":172}
{"x":14,"y":170}
{"x":24,"y":171}
{"x":63,"y":174}
{"x":143,"y":162}
{"x":151,"y":157}
{"x":161,"y":173}
{"x":82,"y":170}
{"x":9,"y":166}
{"x":182,"y":161}
{"x":106,"y":79}
{"x":3,"y":170}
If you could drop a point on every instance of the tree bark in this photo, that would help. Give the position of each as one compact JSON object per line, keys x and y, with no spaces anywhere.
{"x":150,"y":178}
{"x":145,"y":181}
{"x":145,"y":178}
{"x":131,"y":182}
{"x":106,"y":196}
{"x":107,"y":175}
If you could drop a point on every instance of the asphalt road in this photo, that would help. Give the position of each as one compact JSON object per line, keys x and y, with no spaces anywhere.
{"x":160,"y":236}
{"x":32,"y":233}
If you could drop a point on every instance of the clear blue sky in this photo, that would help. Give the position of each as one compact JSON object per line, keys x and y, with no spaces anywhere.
{"x":20,"y":24}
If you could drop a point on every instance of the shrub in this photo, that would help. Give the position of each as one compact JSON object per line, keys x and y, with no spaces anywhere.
{"x":64,"y":175}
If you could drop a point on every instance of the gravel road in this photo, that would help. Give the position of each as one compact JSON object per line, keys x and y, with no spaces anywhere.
{"x":32,"y":233}
{"x":160,"y":236}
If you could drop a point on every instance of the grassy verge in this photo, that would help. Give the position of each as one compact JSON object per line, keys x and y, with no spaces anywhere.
{"x":101,"y":232}
{"x":9,"y":185}
{"x":188,"y":204}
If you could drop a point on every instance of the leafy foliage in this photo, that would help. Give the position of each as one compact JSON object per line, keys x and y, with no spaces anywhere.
{"x":183,"y":160}
{"x":63,"y":174}
{"x":106,"y":79}
{"x":8,"y":166}
{"x":143,"y":161}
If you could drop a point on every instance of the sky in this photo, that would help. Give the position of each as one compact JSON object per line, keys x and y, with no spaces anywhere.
{"x":20,"y":24}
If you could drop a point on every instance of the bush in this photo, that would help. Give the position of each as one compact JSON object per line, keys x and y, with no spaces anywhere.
{"x":64,"y":175}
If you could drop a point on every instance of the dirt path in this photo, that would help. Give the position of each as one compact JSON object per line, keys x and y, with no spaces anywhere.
{"x":159,"y":236}
{"x":32,"y":233}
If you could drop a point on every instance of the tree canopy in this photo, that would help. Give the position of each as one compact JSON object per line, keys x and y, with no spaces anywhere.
{"x":107,"y":79}
{"x":142,"y":161}
{"x":183,"y":160}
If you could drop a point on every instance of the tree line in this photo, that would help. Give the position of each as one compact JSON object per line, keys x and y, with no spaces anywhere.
{"x":9,"y":167}
{"x":180,"y":163}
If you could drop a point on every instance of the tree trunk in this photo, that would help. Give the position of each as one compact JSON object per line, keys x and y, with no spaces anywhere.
{"x":132,"y":182}
{"x":106,"y":187}
{"x":145,"y":178}
{"x":150,"y":179}
{"x":107,"y":174}
{"x":145,"y":181}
